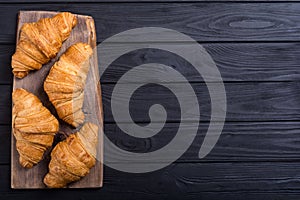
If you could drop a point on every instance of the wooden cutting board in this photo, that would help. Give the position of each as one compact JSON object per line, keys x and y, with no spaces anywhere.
{"x":84,"y":31}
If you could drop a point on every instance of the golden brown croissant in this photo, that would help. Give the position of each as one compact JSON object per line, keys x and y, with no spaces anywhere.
{"x":34,"y":127}
{"x":40,"y":41}
{"x":65,"y":83}
{"x":73,"y":158}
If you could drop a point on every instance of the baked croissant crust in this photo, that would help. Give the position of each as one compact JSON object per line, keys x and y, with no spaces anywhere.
{"x":73,"y":158}
{"x":65,"y":83}
{"x":40,"y":41}
{"x":34,"y":127}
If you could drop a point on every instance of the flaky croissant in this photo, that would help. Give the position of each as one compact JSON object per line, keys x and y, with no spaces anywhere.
{"x":65,"y":83}
{"x":73,"y":158}
{"x":34,"y":127}
{"x":40,"y":41}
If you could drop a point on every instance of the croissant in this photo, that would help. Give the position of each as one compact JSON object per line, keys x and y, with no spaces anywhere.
{"x":34,"y":127}
{"x":73,"y":158}
{"x":65,"y":83}
{"x":40,"y":41}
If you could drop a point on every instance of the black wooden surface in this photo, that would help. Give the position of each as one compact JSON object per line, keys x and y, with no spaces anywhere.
{"x":256,"y":47}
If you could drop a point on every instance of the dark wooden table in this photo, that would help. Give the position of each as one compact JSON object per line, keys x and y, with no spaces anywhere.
{"x":256,"y":46}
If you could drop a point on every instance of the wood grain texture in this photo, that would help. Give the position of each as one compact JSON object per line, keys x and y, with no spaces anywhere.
{"x":246,"y":101}
{"x":84,"y":31}
{"x":5,"y":131}
{"x":235,"y":61}
{"x":201,"y":21}
{"x":239,"y":142}
{"x":184,"y":181}
{"x":144,"y":1}
{"x":269,"y":62}
{"x":6,"y":51}
{"x":5,"y":104}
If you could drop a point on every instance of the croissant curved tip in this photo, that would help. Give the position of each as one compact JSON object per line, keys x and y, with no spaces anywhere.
{"x":51,"y":182}
{"x":88,"y":135}
{"x":70,"y":16}
{"x":74,"y":22}
{"x":20,"y":74}
{"x":18,"y":90}
{"x":17,"y":93}
{"x":25,"y":163}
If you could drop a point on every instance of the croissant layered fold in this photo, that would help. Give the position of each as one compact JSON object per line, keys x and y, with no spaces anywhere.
{"x":34,"y":127}
{"x":73,"y":158}
{"x":65,"y":83}
{"x":40,"y":41}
